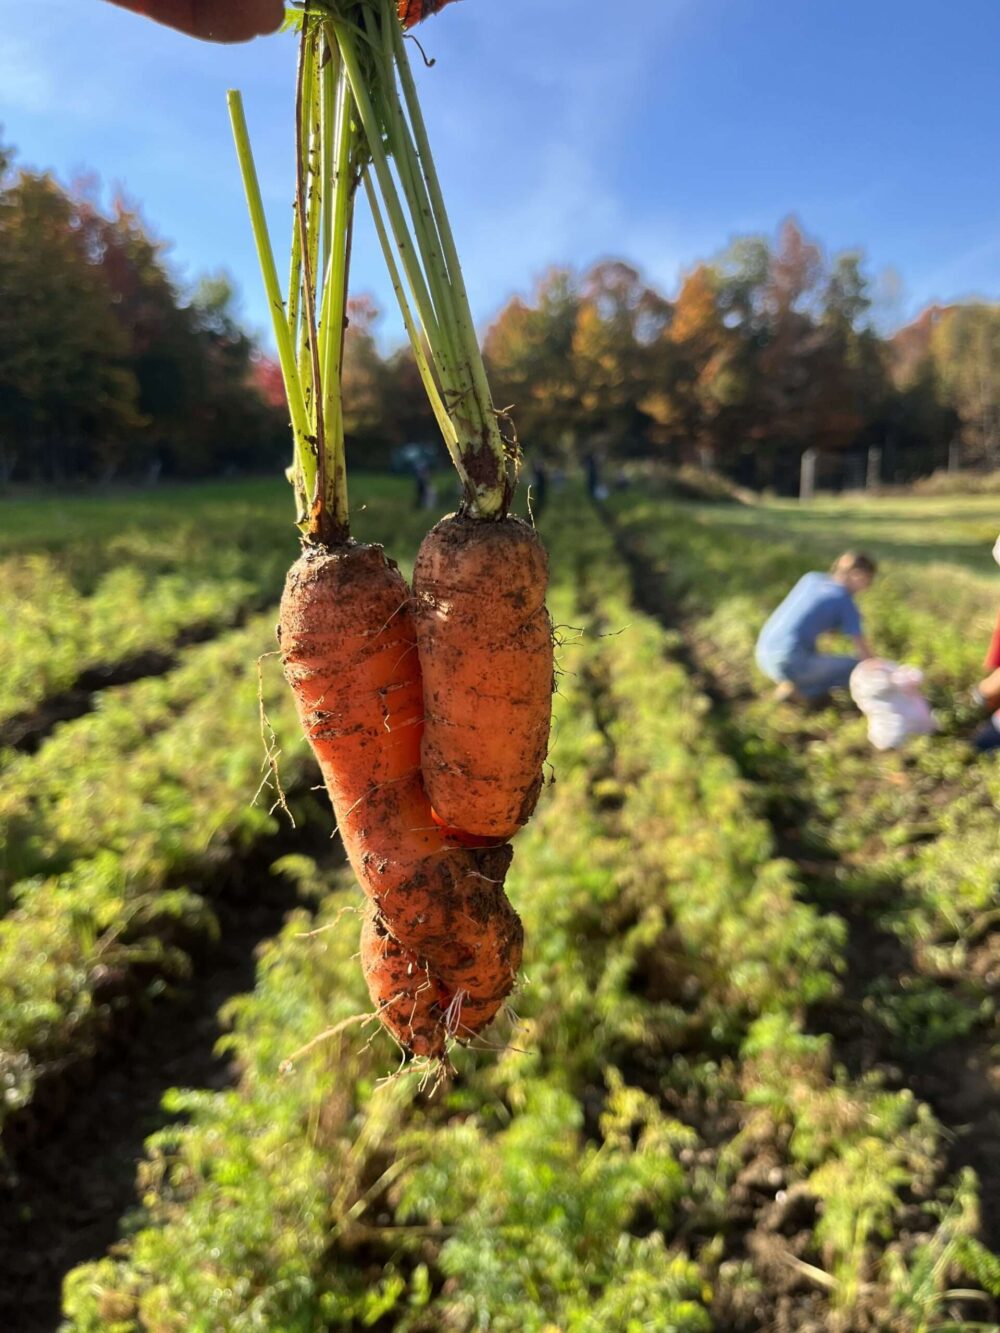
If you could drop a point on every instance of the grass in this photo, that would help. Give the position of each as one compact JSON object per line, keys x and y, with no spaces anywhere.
{"x":957,"y":531}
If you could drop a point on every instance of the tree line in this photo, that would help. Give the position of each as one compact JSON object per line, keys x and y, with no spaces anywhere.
{"x":107,"y":367}
{"x":767,"y":350}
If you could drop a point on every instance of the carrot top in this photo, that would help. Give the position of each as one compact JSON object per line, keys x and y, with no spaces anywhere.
{"x":309,"y":325}
{"x":412,"y":223}
{"x":358,"y":119}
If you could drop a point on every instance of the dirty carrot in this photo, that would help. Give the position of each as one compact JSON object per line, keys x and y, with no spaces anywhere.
{"x":479,"y":584}
{"x":486,"y":657}
{"x":349,"y":651}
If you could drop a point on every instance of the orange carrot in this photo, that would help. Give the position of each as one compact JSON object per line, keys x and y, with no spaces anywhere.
{"x":442,"y":945}
{"x":414,"y":11}
{"x":349,"y":651}
{"x":408,"y":999}
{"x":485,"y":641}
{"x":484,"y":634}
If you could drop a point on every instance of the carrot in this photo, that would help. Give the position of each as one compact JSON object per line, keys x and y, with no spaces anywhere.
{"x":414,"y":11}
{"x":349,"y":651}
{"x":409,"y":1001}
{"x":442,"y":945}
{"x":485,"y":641}
{"x":484,"y":634}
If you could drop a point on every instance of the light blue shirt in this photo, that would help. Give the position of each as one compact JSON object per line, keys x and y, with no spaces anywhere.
{"x":816,"y":605}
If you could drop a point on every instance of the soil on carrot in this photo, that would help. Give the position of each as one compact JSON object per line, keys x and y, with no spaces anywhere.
{"x":958,"y":1079}
{"x":69,"y":1173}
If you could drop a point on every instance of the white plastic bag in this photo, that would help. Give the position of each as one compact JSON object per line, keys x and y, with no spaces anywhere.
{"x":889,"y":696}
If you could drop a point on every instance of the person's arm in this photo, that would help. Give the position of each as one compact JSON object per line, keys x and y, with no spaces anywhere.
{"x":993,"y":652}
{"x":850,"y":624}
{"x":213,"y":20}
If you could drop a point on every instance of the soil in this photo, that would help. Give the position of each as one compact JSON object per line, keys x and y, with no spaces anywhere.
{"x":70,"y":1173}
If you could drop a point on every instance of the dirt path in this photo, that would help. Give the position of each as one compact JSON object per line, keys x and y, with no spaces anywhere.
{"x":71,"y":1174}
{"x":959,"y":1080}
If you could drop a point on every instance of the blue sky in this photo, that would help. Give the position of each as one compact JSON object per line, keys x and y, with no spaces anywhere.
{"x":562,"y":136}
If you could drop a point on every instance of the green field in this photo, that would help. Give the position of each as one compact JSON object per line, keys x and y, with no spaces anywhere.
{"x":750,"y":1080}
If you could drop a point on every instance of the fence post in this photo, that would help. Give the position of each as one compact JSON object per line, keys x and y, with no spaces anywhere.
{"x":807,"y":475}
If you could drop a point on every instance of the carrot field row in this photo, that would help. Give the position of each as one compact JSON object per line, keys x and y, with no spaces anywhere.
{"x":913,"y":831}
{"x":120,"y":832}
{"x":660,"y":1136}
{"x":87,"y":584}
{"x":100,"y":873}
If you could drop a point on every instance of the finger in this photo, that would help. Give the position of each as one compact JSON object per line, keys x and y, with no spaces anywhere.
{"x":213,"y":20}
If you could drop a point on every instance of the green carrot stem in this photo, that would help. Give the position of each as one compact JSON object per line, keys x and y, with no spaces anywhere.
{"x":390,"y":196}
{"x":493,"y":440}
{"x":269,"y":273}
{"x":445,"y":424}
{"x":448,"y":356}
{"x":340,"y":201}
{"x":447,"y":351}
{"x":308,"y":216}
{"x":328,"y":132}
{"x":294,"y":281}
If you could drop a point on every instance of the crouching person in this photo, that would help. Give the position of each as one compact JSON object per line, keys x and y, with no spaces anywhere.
{"x":818,"y":604}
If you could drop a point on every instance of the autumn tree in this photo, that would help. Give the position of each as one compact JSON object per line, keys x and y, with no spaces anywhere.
{"x":619,"y":321}
{"x":529,"y":352}
{"x":691,"y":379}
{"x":924,"y":420}
{"x":104,"y":363}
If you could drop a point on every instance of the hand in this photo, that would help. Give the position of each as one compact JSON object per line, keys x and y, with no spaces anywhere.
{"x":213,"y":20}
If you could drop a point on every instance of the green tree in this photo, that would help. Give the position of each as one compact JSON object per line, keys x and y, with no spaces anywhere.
{"x":104,"y":363}
{"x":529,"y":352}
{"x":618,"y":323}
{"x":965,"y":346}
{"x":68,"y":396}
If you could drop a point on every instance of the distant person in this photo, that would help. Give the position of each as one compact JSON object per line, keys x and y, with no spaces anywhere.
{"x":539,"y":487}
{"x":987,"y":693}
{"x":987,"y":738}
{"x":592,"y":468}
{"x":213,"y":20}
{"x":818,"y":604}
{"x":425,"y":493}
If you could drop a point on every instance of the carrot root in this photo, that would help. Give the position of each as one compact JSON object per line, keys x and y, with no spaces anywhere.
{"x":486,"y":657}
{"x":442,"y":945}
